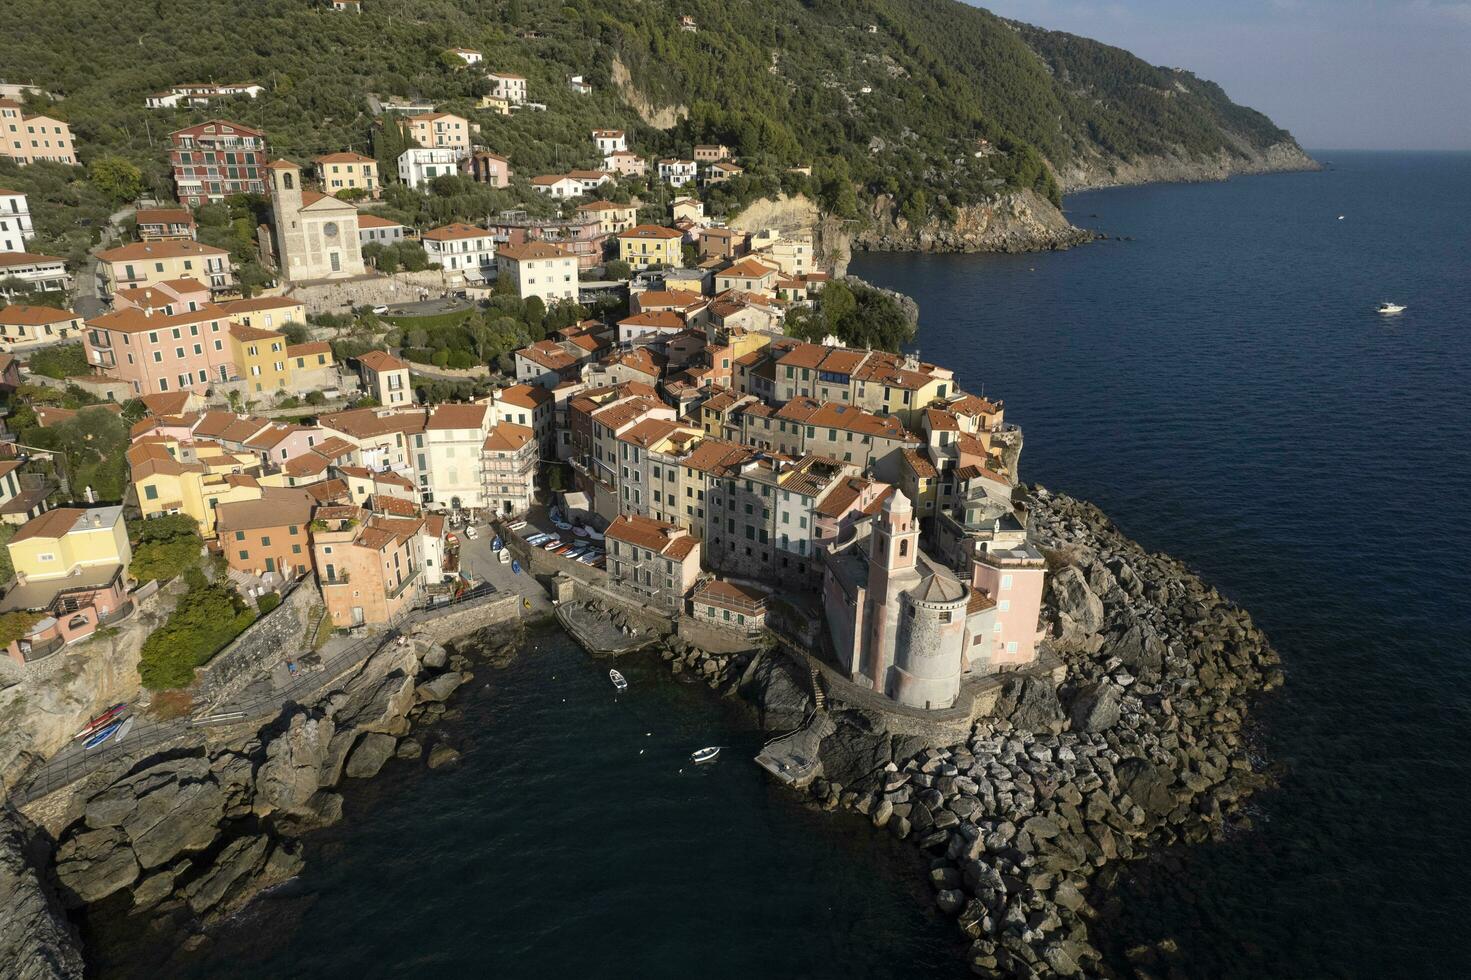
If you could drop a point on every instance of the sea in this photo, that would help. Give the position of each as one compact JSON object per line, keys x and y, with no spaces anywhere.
{"x":1215,"y":377}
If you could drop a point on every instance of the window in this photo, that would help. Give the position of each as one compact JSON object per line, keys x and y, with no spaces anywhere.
{"x":150,"y":492}
{"x":1004,"y":605}
{"x":239,"y":535}
{"x":1005,"y":582}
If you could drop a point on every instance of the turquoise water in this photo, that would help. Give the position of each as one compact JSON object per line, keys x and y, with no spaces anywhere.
{"x":1221,"y":386}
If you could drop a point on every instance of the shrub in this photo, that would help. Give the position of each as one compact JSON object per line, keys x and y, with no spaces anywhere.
{"x":267,"y":602}
{"x":207,"y":617}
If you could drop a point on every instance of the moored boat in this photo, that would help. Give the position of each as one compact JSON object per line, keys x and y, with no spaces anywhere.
{"x":619,"y":681}
{"x":708,"y":754}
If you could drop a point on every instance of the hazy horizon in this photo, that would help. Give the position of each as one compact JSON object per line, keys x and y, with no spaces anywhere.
{"x":1338,"y":74}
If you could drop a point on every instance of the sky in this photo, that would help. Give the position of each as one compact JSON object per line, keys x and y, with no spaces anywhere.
{"x":1339,"y":74}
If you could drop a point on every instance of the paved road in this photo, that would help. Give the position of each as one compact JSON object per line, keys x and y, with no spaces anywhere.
{"x":87,"y":303}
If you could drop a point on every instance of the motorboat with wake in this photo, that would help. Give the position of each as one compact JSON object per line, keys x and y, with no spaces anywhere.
{"x":1389,"y":309}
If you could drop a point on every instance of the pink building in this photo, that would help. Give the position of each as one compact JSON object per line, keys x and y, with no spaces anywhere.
{"x":488,"y":168}
{"x":156,"y":350}
{"x":1012,"y":578}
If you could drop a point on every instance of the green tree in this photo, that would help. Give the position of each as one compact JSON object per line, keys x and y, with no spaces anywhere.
{"x":117,"y":179}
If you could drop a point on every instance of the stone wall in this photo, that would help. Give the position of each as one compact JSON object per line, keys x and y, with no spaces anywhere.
{"x":462,"y":620}
{"x":282,"y":633}
{"x":340,"y":295}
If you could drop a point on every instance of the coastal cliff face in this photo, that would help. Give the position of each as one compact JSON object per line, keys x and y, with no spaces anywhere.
{"x":1022,"y":221}
{"x":797,"y":216}
{"x":1096,"y":171}
{"x":36,"y":942}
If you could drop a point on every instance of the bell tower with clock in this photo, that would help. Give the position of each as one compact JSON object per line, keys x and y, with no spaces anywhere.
{"x":316,"y":234}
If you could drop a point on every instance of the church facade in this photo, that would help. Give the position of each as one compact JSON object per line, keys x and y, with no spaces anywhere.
{"x":316,"y":234}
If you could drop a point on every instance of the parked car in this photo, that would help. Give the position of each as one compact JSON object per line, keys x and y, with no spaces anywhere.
{"x":380,"y":310}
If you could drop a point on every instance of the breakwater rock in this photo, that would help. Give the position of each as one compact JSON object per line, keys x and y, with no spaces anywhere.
{"x":1141,"y":745}
{"x":191,"y":835}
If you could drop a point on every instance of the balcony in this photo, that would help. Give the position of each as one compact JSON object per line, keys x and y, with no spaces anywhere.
{"x":403,"y":586}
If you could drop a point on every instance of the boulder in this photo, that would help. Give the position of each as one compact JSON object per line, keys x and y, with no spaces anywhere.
{"x":1140,"y":649}
{"x":442,"y":755}
{"x":950,"y":900}
{"x":440,"y":687}
{"x":1076,"y":601}
{"x":777,"y":690}
{"x":1148,"y":785}
{"x":849,"y":754}
{"x":409,"y":748}
{"x":177,"y":815}
{"x":435,"y":657}
{"x":233,"y":866}
{"x":292,"y":772}
{"x":93,"y":865}
{"x":1031,"y":705}
{"x":1096,"y":707}
{"x":35,"y":941}
{"x":369,"y":755}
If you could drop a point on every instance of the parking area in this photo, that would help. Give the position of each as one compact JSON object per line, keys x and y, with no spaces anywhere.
{"x":481,"y":564}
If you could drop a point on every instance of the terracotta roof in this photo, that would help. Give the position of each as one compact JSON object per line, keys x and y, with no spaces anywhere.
{"x":605,"y":206}
{"x":307,"y":464}
{"x":277,"y":507}
{"x":533,"y":250}
{"x":241,"y":332}
{"x":343,"y":157}
{"x":255,"y":305}
{"x":524,"y":396}
{"x":52,"y":524}
{"x":920,"y":464}
{"x":311,"y":347}
{"x":720,"y":592}
{"x":941,"y":421}
{"x":749,"y":269}
{"x":548,"y":354}
{"x":363,"y":423}
{"x":326,"y":491}
{"x":508,"y":437}
{"x":651,"y":232}
{"x":716,"y":456}
{"x":455,"y":232}
{"x":648,"y":432}
{"x":134,"y":320}
{"x":20,"y":314}
{"x":366,"y":220}
{"x":469,"y":416}
{"x":379,"y":361}
{"x":159,"y":250}
{"x":657,"y":319}
{"x":804,"y":356}
{"x":672,"y":299}
{"x":645,"y":532}
{"x":28,"y":258}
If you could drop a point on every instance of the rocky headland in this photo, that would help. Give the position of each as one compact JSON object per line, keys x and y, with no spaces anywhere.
{"x":1143,"y":744}
{"x":188,"y":835}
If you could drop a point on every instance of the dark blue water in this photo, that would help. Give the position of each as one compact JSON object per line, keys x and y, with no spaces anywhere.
{"x":574,"y":839}
{"x":1221,"y":386}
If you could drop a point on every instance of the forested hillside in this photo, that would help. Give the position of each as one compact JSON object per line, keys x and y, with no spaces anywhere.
{"x":932,"y":102}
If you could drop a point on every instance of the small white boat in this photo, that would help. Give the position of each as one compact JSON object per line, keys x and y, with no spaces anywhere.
{"x":619,"y":681}
{"x":1389,"y":309}
{"x":122,"y":732}
{"x":708,"y":754}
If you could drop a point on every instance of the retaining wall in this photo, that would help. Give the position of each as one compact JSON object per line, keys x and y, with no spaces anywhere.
{"x":462,"y":620}
{"x":282,"y":633}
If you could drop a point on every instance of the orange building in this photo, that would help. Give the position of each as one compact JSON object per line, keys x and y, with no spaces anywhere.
{"x":267,"y":536}
{"x":368,"y":565}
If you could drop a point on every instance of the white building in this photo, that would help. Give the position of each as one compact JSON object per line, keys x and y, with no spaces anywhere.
{"x":540,"y":269}
{"x":420,"y":165}
{"x":468,"y":55}
{"x":15,"y":221}
{"x":610,"y":141}
{"x":558,"y":185}
{"x":677,"y":173}
{"x":199,"y":96}
{"x":447,"y":455}
{"x":465,"y":252}
{"x":512,"y":88}
{"x":43,"y":272}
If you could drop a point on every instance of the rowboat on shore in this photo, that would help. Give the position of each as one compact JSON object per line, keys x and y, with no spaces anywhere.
{"x":93,"y":726}
{"x":127,"y":726}
{"x":708,"y":754}
{"x":619,"y":681}
{"x":102,"y":736}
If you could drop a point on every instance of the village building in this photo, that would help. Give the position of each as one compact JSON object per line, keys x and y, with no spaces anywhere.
{"x":485,"y":167}
{"x":369,"y":566}
{"x":32,"y":273}
{"x":613,"y":219}
{"x":15,"y":221}
{"x":504,"y":85}
{"x":200,"y":96}
{"x":447,"y":456}
{"x":27,"y":138}
{"x":510,"y":458}
{"x":71,"y":571}
{"x":386,"y":378}
{"x":465,"y":252}
{"x":677,"y":173}
{"x":418,"y":166}
{"x":23,"y":327}
{"x":655,"y":561}
{"x":316,"y":234}
{"x":146,"y":264}
{"x":610,"y":141}
{"x":382,"y":231}
{"x":626,"y":163}
{"x":440,"y":131}
{"x":217,"y":159}
{"x":540,"y":269}
{"x":267,"y":538}
{"x":347,"y":171}
{"x":165,"y":224}
{"x":651,"y":246}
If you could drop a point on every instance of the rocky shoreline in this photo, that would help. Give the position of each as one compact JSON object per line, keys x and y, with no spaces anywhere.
{"x":1141,"y":746}
{"x":187,"y":837}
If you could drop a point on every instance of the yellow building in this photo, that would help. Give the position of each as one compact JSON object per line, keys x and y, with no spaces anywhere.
{"x":144,"y":264}
{"x":613,"y":218}
{"x":648,"y":246}
{"x":60,"y":541}
{"x":165,"y":485}
{"x":260,"y":358}
{"x":918,"y":479}
{"x":265,"y":312}
{"x":338,"y":172}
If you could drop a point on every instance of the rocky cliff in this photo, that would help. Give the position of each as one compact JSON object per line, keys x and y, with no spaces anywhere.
{"x":1022,"y":221}
{"x":1096,"y":170}
{"x":36,"y":942}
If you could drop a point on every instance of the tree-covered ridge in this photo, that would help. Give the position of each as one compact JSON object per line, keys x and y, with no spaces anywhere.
{"x":885,"y":96}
